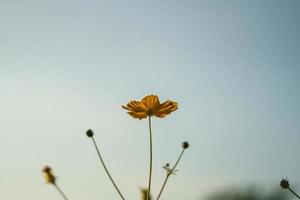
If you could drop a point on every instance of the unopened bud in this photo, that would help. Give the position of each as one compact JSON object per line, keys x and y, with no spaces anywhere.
{"x":89,"y":133}
{"x":284,"y":183}
{"x":185,"y":145}
{"x":50,"y":178}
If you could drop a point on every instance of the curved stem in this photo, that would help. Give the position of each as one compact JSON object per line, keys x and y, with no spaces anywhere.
{"x":292,"y":191}
{"x":169,"y":173}
{"x":60,"y":191}
{"x":106,"y":170}
{"x":150,"y":167}
{"x":178,"y":159}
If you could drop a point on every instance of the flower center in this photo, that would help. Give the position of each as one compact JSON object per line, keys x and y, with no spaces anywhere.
{"x":150,"y":112}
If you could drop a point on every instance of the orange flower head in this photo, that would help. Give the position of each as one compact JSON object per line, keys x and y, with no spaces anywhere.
{"x":150,"y":106}
{"x":50,"y":178}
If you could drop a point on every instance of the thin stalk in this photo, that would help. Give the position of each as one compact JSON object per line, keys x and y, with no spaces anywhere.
{"x":163,"y":186}
{"x":150,"y":167}
{"x":168,"y":174}
{"x":105,"y":168}
{"x":294,"y":192}
{"x":178,"y":160}
{"x":60,"y":191}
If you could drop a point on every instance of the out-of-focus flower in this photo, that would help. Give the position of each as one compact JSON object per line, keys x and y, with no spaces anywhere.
{"x":50,"y":178}
{"x":144,"y":192}
{"x":150,"y":106}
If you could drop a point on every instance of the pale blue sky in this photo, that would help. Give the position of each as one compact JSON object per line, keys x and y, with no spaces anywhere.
{"x":67,"y":66}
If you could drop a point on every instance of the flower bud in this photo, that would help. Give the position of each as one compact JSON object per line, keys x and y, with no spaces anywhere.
{"x":185,"y":145}
{"x":47,"y":169}
{"x":89,"y":133}
{"x":50,"y":178}
{"x":284,"y":183}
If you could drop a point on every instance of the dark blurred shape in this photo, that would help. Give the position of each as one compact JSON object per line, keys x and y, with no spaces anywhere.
{"x":252,"y":193}
{"x":89,"y":133}
{"x":284,"y":183}
{"x":185,"y":145}
{"x":49,"y":176}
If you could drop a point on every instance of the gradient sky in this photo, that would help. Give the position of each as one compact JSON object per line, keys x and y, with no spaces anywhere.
{"x":68,"y":66}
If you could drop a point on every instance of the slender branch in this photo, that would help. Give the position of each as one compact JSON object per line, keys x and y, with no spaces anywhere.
{"x":178,"y":160}
{"x":163,"y":186}
{"x":105,"y":168}
{"x":294,"y":192}
{"x":169,"y":173}
{"x":150,"y":167}
{"x":60,"y":191}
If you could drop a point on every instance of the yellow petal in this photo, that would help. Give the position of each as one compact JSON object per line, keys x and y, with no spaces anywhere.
{"x":139,"y":115}
{"x":165,"y":109}
{"x":150,"y":101}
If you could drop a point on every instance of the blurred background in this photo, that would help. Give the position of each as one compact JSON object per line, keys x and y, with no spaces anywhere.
{"x":68,"y":66}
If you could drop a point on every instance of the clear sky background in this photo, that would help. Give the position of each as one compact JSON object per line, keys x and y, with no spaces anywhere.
{"x":68,"y":66}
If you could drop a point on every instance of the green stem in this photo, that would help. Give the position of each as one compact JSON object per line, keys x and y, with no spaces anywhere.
{"x":294,"y":192}
{"x":169,"y":173}
{"x":60,"y":191}
{"x":150,"y":167}
{"x":106,"y":170}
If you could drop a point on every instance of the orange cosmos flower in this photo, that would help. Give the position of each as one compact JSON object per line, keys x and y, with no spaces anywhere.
{"x":150,"y":106}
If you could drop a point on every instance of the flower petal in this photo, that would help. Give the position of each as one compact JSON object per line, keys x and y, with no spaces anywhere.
{"x":166,"y":108}
{"x":150,"y":101}
{"x":138,"y":115}
{"x":135,"y":106}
